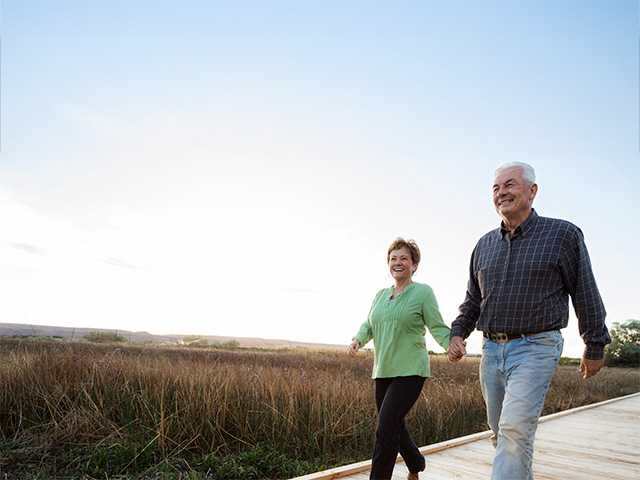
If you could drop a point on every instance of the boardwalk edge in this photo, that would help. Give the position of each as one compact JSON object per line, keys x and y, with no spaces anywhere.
{"x":353,"y":468}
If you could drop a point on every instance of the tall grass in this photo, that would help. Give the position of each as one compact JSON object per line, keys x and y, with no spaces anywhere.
{"x":98,"y":409}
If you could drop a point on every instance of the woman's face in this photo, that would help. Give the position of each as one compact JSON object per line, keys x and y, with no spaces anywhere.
{"x":400,"y":264}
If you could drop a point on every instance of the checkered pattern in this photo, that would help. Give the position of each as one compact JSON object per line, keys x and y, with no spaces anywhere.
{"x":521,"y":284}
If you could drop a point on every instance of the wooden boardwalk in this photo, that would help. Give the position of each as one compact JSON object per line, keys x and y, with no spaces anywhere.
{"x":594,"y":442}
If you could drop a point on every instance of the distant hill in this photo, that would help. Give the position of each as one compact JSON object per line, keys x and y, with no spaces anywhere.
{"x":24,"y":330}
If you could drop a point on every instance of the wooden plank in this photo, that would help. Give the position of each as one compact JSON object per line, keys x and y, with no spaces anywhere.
{"x":587,"y":445}
{"x":360,"y":476}
{"x":571,"y":411}
{"x":338,"y":472}
{"x":347,"y":470}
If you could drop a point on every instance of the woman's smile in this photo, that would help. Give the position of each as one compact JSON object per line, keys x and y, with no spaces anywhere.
{"x":401,"y":264}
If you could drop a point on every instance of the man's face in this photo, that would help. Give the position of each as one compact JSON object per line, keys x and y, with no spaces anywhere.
{"x":512,"y":195}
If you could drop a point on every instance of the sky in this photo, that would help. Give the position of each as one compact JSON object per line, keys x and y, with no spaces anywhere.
{"x":240,"y":168}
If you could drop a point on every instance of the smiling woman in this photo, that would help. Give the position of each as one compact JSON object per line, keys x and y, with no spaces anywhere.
{"x":403,"y":258}
{"x":397,"y":324}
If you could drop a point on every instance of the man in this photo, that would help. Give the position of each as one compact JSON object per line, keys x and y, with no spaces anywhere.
{"x":521,"y":276}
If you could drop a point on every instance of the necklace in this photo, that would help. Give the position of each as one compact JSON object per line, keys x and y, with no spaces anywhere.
{"x":395,"y":292}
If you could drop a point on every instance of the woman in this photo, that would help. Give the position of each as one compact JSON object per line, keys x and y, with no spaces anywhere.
{"x":396,"y":323}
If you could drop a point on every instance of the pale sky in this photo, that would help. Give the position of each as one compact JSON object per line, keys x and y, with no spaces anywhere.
{"x":240,"y":168}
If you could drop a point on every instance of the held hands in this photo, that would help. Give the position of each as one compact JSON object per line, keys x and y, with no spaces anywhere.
{"x":588,"y":368}
{"x":457,"y":349}
{"x":353,"y":348}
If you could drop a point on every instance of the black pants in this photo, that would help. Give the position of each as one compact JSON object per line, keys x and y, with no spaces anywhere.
{"x":394,"y":398}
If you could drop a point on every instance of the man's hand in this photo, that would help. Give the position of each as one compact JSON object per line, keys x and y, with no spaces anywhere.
{"x":588,"y":368}
{"x":353,"y":348}
{"x":457,"y":349}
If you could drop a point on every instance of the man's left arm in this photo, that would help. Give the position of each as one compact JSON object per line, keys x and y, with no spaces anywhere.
{"x":581,"y":284}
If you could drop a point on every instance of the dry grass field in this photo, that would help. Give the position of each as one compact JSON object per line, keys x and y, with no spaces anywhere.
{"x":76,"y":410}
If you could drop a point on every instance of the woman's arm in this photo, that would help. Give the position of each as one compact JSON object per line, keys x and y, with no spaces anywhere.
{"x":433,"y":320}
{"x":365,"y":333}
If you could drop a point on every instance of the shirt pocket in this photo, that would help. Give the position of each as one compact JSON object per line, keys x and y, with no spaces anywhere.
{"x":540,"y":274}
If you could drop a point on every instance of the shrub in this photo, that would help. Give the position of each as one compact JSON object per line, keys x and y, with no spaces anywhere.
{"x":104,"y":337}
{"x":230,"y":344}
{"x":624,"y":349}
{"x":569,"y":361}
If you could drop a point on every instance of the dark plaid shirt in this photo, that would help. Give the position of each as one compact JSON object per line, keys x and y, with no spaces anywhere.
{"x":521,"y":283}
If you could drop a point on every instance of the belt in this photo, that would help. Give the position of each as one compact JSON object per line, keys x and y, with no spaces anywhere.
{"x":500,"y":337}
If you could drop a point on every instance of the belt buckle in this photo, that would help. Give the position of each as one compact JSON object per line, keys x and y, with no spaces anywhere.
{"x":500,"y":337}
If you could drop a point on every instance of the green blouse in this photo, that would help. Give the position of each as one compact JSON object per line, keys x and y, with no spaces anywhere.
{"x":397,"y":327}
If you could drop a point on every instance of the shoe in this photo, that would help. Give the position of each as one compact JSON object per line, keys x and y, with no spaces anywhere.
{"x":412,"y":476}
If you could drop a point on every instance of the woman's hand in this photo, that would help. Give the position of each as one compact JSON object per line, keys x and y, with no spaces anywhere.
{"x":354,"y":347}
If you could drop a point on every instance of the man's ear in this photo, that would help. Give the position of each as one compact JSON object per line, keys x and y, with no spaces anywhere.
{"x":534,"y":191}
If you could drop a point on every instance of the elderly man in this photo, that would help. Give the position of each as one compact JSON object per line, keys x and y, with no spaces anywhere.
{"x":521,"y":276}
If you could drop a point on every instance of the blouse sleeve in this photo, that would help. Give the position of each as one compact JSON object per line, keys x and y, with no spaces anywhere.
{"x":433,"y":320}
{"x":365,"y":333}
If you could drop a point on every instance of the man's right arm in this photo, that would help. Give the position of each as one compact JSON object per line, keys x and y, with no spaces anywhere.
{"x":466,"y":321}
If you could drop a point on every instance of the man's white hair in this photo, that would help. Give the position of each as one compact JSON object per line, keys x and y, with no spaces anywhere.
{"x":528,"y":173}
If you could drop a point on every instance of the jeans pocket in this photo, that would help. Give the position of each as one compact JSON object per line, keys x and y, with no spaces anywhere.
{"x":547,"y":339}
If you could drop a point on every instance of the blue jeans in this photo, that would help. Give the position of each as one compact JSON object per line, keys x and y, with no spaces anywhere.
{"x":515,"y":378}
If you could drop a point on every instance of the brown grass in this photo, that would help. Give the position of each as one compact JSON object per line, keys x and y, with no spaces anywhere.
{"x":154,"y":404}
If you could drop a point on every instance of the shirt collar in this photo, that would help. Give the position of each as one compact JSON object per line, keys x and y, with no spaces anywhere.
{"x":523,"y":228}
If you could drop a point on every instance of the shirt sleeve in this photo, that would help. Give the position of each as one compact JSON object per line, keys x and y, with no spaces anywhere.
{"x":433,"y":320}
{"x":365,"y":333}
{"x":580,"y":282}
{"x":466,"y":321}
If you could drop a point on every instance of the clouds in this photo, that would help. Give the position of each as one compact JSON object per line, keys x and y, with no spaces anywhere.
{"x":28,"y":248}
{"x":116,"y":262}
{"x":167,"y":170}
